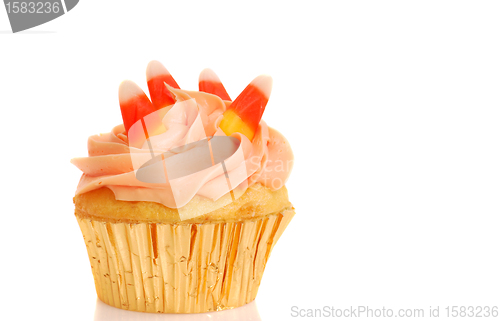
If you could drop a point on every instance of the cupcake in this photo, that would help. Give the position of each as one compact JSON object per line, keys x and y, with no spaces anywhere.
{"x":181,"y":205}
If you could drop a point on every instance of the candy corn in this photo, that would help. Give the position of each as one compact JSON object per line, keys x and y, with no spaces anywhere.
{"x":157,"y":75}
{"x":244,"y":114}
{"x":134,"y":103}
{"x":210,"y":83}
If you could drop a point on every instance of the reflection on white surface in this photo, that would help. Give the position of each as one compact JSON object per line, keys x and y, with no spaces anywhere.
{"x":104,"y":312}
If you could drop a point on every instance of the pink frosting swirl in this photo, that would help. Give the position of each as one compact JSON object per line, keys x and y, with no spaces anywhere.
{"x":268,"y":158}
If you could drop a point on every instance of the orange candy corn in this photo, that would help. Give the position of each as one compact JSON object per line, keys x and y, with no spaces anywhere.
{"x":134,"y":104}
{"x":244,"y":114}
{"x":210,"y":83}
{"x":157,"y":75}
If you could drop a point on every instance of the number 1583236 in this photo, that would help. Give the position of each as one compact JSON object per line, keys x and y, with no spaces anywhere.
{"x":32,"y":7}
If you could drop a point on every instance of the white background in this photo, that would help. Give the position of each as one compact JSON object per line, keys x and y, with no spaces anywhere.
{"x":392,"y":109}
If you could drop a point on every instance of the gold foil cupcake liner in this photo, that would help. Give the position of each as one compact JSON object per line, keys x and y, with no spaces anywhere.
{"x":180,"y":268}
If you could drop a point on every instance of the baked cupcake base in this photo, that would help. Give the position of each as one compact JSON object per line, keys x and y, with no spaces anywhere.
{"x":180,"y":268}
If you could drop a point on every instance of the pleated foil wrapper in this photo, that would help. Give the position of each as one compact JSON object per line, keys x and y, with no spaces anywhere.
{"x":180,"y":268}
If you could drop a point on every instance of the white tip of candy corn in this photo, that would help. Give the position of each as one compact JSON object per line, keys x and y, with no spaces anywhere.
{"x":208,"y":74}
{"x":127,"y":90}
{"x":155,"y":68}
{"x":264,"y":83}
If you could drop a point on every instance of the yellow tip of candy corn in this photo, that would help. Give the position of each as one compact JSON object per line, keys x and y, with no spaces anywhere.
{"x":232,"y":123}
